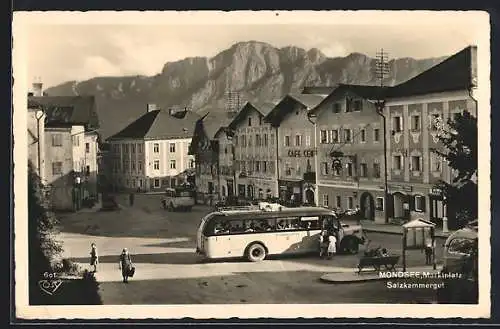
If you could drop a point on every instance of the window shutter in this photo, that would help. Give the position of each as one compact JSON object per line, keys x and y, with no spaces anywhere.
{"x":411,"y":200}
{"x":423,"y":203}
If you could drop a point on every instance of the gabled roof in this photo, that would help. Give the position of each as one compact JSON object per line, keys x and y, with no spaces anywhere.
{"x":214,"y":121}
{"x":457,"y":72}
{"x":263,"y":108}
{"x":280,"y":110}
{"x":67,"y":110}
{"x":368,"y":92}
{"x":160,"y":124}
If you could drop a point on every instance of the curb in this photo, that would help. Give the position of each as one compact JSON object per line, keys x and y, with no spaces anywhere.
{"x":330,"y":281}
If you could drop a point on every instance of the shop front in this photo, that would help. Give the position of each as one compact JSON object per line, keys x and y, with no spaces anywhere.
{"x":291,"y":191}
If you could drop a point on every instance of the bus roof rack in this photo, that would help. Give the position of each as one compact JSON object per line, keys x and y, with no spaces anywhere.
{"x":237,"y":208}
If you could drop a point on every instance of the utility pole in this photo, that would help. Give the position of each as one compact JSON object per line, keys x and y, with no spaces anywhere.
{"x":382,"y":71}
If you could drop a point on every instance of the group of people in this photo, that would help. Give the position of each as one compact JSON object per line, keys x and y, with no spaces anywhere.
{"x":125,"y":264}
{"x":327,"y":244}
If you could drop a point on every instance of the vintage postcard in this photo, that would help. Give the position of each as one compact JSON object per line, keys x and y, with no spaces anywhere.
{"x":251,"y":164}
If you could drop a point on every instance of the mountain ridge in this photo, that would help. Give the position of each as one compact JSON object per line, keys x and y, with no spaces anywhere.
{"x":256,"y":70}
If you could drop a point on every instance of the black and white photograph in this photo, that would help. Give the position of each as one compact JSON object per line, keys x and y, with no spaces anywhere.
{"x":251,"y":164}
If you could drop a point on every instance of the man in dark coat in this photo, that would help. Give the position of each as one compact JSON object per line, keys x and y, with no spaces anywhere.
{"x":131,"y":199}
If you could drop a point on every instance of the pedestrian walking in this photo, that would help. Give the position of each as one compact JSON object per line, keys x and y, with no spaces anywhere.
{"x":126,"y":265}
{"x":131,"y":198}
{"x":322,"y":243}
{"x":94,"y":258}
{"x":429,"y":248}
{"x":332,"y":245}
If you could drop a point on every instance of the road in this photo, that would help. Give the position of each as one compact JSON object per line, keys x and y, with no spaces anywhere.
{"x":162,"y":245}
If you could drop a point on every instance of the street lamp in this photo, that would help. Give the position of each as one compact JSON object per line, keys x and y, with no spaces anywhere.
{"x":39,"y":115}
{"x":380,"y":104}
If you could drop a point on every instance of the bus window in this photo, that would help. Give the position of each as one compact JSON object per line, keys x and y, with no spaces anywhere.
{"x":221,"y":227}
{"x":291,"y":223}
{"x":329,"y":222}
{"x":260,"y":225}
{"x":236,"y":226}
{"x":310,"y":225}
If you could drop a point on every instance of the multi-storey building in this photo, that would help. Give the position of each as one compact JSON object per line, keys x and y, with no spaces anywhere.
{"x":414,"y":110}
{"x":205,"y":148}
{"x":67,"y":120}
{"x":152,"y":151}
{"x":347,"y":122}
{"x":226,"y":174}
{"x":295,"y":147}
{"x":254,"y":152}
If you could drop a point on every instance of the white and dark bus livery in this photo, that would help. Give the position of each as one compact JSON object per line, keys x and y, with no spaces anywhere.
{"x":255,"y":234}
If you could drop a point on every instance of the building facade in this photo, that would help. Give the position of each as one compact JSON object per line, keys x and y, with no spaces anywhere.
{"x":414,"y":111}
{"x":347,"y":122}
{"x":66,"y":121}
{"x":151,"y":152}
{"x":254,"y":152}
{"x":295,"y":147}
{"x":226,"y":174}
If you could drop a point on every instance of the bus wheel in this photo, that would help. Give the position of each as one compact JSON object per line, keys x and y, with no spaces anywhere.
{"x":256,"y":252}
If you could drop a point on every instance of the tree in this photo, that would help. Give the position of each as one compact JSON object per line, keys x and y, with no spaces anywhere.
{"x":459,"y":138}
{"x":43,"y":249}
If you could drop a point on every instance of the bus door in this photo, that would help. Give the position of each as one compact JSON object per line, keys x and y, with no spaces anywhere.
{"x":329,"y":223}
{"x":289,"y":236}
{"x":234,"y":245}
{"x":312,"y":227}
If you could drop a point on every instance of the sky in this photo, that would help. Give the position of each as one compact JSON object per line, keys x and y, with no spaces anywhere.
{"x":79,"y":50}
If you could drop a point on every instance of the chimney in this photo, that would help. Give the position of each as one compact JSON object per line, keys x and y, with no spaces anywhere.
{"x":37,"y":89}
{"x":151,"y":107}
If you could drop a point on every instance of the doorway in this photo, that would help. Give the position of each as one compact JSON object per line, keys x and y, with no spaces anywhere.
{"x":310,"y":196}
{"x":367,"y":206}
{"x":399,"y":205}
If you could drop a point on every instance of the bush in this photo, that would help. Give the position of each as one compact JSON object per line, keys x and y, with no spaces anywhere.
{"x":42,"y":228}
{"x":70,"y":268}
{"x":45,"y":255}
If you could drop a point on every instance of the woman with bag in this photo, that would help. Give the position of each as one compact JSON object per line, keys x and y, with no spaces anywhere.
{"x":125,"y":265}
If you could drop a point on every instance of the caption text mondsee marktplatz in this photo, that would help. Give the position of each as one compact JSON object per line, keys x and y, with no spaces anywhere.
{"x":418,"y":275}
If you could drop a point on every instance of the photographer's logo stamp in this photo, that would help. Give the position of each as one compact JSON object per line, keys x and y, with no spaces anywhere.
{"x":50,"y":283}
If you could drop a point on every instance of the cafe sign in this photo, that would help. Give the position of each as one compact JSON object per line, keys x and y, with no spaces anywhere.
{"x":301,"y":153}
{"x":435,"y":191}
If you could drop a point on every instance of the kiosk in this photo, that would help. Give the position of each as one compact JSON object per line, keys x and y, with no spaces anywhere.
{"x":415,"y":233}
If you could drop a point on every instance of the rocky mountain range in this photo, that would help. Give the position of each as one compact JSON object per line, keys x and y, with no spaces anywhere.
{"x":256,"y":70}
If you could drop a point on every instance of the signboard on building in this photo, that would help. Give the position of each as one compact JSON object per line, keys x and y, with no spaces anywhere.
{"x":405,"y":188}
{"x":301,"y":153}
{"x":435,"y":191}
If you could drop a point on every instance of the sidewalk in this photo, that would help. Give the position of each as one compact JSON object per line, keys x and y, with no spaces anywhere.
{"x":370,"y":226}
{"x":365,"y":276}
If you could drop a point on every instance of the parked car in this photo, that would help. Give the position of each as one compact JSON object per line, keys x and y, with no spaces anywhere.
{"x":178,"y":198}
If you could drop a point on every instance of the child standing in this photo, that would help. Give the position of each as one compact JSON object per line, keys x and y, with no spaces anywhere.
{"x":332,"y":245}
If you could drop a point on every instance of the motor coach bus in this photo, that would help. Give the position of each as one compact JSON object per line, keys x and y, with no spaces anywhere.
{"x":178,"y":198}
{"x":254,"y":234}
